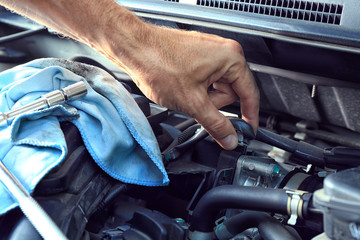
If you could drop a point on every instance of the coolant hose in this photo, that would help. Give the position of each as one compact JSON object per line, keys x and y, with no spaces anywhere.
{"x":239,"y":197}
{"x":269,"y":228}
{"x":304,"y":151}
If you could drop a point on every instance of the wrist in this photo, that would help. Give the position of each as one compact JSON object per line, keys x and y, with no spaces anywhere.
{"x":120,"y":36}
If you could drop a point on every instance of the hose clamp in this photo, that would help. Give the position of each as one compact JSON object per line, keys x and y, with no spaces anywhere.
{"x":295,"y":205}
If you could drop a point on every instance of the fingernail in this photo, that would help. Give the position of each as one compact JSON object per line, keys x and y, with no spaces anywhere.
{"x":230,"y":142}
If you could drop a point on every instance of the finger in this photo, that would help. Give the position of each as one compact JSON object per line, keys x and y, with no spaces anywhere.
{"x":245,"y":87}
{"x":216,"y":124}
{"x":222,"y":94}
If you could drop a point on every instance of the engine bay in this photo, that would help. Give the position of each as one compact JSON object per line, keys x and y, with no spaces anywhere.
{"x":295,"y":179}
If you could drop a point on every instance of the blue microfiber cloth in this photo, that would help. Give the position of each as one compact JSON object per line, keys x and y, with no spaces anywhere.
{"x":114,"y":129}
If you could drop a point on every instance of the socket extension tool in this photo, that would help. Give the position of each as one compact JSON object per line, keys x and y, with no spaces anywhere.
{"x":52,"y":98}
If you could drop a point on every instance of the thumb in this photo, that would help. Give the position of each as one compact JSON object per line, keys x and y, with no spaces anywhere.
{"x":217,"y":125}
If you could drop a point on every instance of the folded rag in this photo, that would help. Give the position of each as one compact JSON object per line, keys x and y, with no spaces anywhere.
{"x":114,"y":130}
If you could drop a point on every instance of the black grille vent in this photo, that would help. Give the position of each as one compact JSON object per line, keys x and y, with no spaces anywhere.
{"x":294,"y":9}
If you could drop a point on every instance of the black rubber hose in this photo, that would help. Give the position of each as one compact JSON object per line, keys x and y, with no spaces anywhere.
{"x":239,"y":197}
{"x":114,"y":192}
{"x":176,"y":150}
{"x":183,"y":137}
{"x":342,"y":156}
{"x":243,"y":127}
{"x":302,"y":150}
{"x":184,"y":125}
{"x":269,"y":228}
{"x":339,"y":139}
{"x":21,"y":35}
{"x":199,"y":135}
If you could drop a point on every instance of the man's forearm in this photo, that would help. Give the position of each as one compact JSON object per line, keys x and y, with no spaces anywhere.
{"x":94,"y":23}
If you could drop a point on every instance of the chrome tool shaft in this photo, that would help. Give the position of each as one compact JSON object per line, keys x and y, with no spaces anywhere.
{"x":55,"y":97}
{"x":32,"y":210}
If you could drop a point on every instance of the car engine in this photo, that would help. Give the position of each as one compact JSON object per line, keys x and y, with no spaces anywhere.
{"x":297,"y":178}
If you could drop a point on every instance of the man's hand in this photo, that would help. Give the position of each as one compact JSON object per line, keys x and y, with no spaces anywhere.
{"x":187,"y":71}
{"x":197,"y":74}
